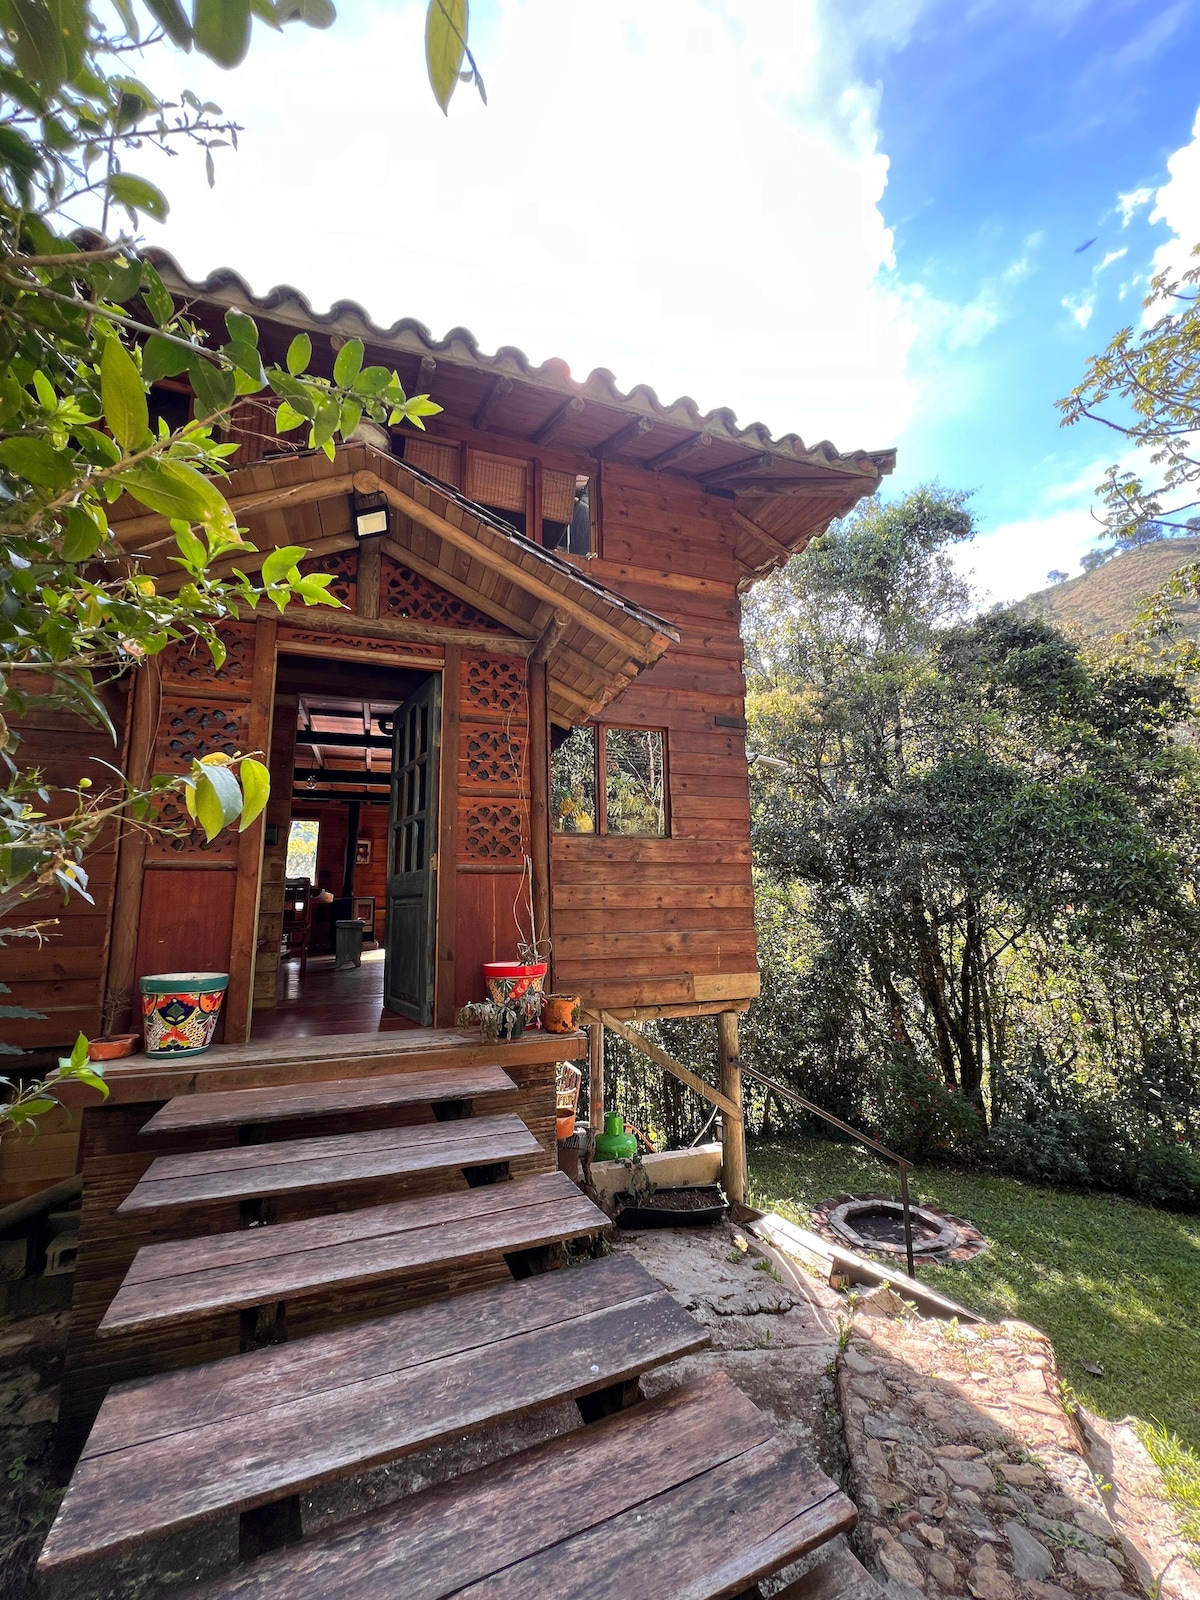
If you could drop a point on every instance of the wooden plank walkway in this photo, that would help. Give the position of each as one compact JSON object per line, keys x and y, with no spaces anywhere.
{"x":297,"y":1166}
{"x":175,"y":1282}
{"x":177,"y":1450}
{"x":292,"y":1102}
{"x":688,"y":1497}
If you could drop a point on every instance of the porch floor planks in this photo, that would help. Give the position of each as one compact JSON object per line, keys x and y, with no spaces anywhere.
{"x":174,"y":1451}
{"x":687,"y":1497}
{"x":293,"y":1102}
{"x":174,"y":1282}
{"x":294,"y":1166}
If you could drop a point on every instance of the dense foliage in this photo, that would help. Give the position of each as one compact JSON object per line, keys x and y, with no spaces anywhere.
{"x":978,"y":867}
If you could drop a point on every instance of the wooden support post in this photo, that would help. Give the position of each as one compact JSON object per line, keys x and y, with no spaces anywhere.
{"x":733,"y":1159}
{"x":447,"y":874}
{"x":366,"y":587}
{"x":239,"y":998}
{"x":596,"y":1076}
{"x":146,"y":697}
{"x":539,"y":806}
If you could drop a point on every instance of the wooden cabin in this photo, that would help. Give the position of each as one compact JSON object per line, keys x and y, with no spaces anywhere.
{"x":525,"y":723}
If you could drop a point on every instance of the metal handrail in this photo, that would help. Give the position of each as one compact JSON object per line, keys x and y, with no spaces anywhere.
{"x":904,"y":1165}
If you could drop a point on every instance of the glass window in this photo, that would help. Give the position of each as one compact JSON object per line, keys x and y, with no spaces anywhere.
{"x":634,"y":787}
{"x":567,"y":513}
{"x":302,"y":850}
{"x":573,"y":782}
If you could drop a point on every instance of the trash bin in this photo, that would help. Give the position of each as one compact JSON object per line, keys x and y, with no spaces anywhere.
{"x":347,"y":944}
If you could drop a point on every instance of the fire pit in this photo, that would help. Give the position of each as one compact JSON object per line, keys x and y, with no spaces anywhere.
{"x":874,"y":1224}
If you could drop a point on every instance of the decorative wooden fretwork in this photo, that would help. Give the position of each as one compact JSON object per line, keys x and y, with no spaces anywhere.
{"x":330,"y":643}
{"x":187,"y":732}
{"x":191,"y":662}
{"x":343,"y":565}
{"x":180,"y":840}
{"x":493,"y":757}
{"x":496,"y":684}
{"x":407,"y":594}
{"x":493,"y":832}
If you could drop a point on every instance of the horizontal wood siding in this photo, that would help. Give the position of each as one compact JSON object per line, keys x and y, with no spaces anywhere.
{"x":660,"y":922}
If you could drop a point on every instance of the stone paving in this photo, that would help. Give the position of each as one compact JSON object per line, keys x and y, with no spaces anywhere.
{"x":969,"y":1474}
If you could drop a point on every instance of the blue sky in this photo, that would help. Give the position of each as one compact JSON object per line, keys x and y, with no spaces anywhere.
{"x":855,"y":219}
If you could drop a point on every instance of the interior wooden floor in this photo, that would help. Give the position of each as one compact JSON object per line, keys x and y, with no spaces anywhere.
{"x":326,"y":1002}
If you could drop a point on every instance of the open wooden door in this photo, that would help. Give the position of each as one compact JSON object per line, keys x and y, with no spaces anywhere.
{"x":411,"y":938}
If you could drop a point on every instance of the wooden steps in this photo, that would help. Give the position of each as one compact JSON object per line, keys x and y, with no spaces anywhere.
{"x":297,"y":1166}
{"x":292,"y":1102}
{"x":184,"y":1279}
{"x":691,"y":1495}
{"x":180,"y":1449}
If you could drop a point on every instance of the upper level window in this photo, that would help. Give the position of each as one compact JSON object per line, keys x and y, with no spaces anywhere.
{"x":611,"y":780}
{"x":567,"y":512}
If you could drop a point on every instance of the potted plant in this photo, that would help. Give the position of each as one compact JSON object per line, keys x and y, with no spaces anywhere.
{"x":112,"y":1046}
{"x":494,"y":1021}
{"x":561,"y":1013}
{"x":510,"y":981}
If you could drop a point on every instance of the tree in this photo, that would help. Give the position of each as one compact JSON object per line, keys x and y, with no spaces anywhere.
{"x":973,"y":817}
{"x":85,"y":329}
{"x":1055,"y":576}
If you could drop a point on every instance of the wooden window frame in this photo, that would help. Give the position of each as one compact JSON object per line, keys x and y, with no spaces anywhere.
{"x":600,"y":778}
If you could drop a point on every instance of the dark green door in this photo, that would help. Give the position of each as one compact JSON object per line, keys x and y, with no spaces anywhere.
{"x":412,"y":855}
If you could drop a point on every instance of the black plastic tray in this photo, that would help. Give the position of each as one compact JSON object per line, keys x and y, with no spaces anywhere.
{"x":640,"y":1215}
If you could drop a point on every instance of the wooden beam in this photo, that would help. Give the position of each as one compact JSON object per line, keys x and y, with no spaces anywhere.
{"x":425,"y":374}
{"x":755,"y":532}
{"x":344,"y":741}
{"x":733,"y":1154}
{"x":128,"y":529}
{"x":506,"y":564}
{"x":550,"y":635}
{"x":319,"y":620}
{"x":659,"y":1056}
{"x":679,"y":452}
{"x":239,"y":997}
{"x":616,"y":442}
{"x":483,"y":416}
{"x":539,"y":799}
{"x":366,"y":598}
{"x":446,"y":929}
{"x":558,"y":421}
{"x":735,"y":469}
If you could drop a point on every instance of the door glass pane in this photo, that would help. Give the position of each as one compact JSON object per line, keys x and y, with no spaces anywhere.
{"x":634,"y":789}
{"x":573,"y":782}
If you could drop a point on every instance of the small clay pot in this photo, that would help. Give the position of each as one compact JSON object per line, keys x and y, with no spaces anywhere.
{"x":113,"y":1047}
{"x":561,"y":1013}
{"x":564,"y":1124}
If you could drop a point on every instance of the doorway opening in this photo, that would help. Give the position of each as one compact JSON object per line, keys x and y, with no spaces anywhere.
{"x":351,"y":838}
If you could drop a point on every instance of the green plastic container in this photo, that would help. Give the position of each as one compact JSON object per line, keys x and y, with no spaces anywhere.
{"x":614,"y":1144}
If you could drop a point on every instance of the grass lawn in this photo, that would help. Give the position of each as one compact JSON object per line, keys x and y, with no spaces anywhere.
{"x":1110,"y":1281}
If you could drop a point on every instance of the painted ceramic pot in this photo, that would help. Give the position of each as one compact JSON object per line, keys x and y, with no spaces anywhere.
{"x":180,"y":1011}
{"x":509,"y":981}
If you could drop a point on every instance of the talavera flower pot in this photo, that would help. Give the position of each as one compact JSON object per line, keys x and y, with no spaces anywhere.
{"x":180,"y":1011}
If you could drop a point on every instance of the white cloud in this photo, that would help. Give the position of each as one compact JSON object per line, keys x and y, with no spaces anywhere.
{"x":1130,"y":204}
{"x":1177,"y":203}
{"x":687,"y":193}
{"x":1080,"y":307}
{"x":1011,"y":561}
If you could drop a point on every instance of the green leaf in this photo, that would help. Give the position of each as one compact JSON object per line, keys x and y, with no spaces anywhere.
{"x":247,"y":359}
{"x":445,"y":44}
{"x":280,"y":562}
{"x":123,"y":396}
{"x":348,"y":364}
{"x":195,"y":556}
{"x":170,"y":16}
{"x":218,"y":799}
{"x":38,"y":46}
{"x":176,"y":490}
{"x":135,"y":194}
{"x":38,"y":461}
{"x":79,"y":1051}
{"x":242,"y":329}
{"x":313,"y":13}
{"x":82,"y":537}
{"x":299,"y":354}
{"x":215,"y":387}
{"x":221,"y":30}
{"x":287,"y":418}
{"x":162,"y":359}
{"x":154,"y":292}
{"x":256,"y":790}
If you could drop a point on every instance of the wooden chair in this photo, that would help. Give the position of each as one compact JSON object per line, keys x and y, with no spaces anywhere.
{"x":297,"y":920}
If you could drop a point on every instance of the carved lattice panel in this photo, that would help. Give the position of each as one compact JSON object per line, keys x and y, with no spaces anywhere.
{"x":324,"y":644}
{"x":493,"y":832}
{"x":191,"y":662}
{"x":407,"y":594}
{"x":343,"y":566}
{"x":188,"y":732}
{"x":492,"y":758}
{"x":182,"y":841}
{"x":496,"y":684}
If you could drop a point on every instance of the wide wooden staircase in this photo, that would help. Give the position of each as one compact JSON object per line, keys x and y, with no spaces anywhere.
{"x":690,"y":1494}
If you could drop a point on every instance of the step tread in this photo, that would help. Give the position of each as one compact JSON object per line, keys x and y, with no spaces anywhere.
{"x":232,"y":1108}
{"x":688,"y":1497}
{"x":185,"y":1278}
{"x":839,"y":1576}
{"x":175,"y":1450}
{"x":294,"y":1165}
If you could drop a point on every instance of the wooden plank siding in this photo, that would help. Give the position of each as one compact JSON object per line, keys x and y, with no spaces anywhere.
{"x":662,"y":922}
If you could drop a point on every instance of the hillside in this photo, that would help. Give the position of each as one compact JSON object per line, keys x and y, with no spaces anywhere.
{"x":1107,"y":600}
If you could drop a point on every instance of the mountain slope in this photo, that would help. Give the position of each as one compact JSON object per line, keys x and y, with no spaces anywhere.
{"x":1107,"y":600}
